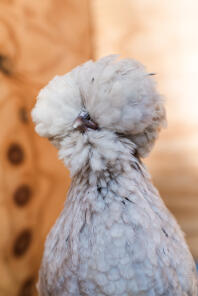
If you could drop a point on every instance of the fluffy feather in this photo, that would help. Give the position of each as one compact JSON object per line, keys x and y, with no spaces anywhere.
{"x":114,"y":235}
{"x":119,"y":95}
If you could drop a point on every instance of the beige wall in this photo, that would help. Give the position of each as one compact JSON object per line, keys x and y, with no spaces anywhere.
{"x":163,"y":36}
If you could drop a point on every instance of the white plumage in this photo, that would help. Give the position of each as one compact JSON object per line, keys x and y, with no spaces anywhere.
{"x":114,"y":236}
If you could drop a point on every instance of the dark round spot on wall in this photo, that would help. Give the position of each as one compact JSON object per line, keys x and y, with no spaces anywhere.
{"x":22,"y":242}
{"x":6,"y":65}
{"x":28,"y":287}
{"x":23,"y":115}
{"x":15,"y":154}
{"x":22,"y":195}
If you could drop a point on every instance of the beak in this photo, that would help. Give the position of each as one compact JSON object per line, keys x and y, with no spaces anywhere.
{"x":84,"y":122}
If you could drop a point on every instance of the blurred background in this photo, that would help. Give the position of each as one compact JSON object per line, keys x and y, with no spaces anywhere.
{"x":39,"y":39}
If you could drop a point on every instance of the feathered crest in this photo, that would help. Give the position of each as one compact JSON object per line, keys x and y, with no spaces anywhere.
{"x":119,"y":95}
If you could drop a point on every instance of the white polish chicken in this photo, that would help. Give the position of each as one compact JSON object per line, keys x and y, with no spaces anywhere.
{"x":114,"y":236}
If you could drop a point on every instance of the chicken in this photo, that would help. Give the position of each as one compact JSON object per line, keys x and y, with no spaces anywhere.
{"x":114,"y":236}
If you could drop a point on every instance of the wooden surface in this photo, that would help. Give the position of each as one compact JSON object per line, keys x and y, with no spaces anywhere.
{"x":162,"y":35}
{"x":37,"y":41}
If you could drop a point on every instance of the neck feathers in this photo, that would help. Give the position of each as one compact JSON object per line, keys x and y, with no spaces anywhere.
{"x":98,"y":151}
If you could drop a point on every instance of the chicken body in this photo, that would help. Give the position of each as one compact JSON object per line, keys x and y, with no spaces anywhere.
{"x":114,"y":237}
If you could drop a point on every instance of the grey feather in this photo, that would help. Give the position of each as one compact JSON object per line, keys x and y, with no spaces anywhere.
{"x":114,"y":236}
